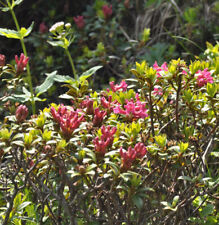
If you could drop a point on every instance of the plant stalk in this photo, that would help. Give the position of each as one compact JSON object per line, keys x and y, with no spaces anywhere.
{"x":177,"y":103}
{"x":72,"y":63}
{"x":28,"y":67}
{"x":151,"y":112}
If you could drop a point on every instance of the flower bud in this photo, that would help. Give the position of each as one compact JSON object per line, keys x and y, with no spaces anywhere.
{"x":67,"y":25}
{"x":43,"y":28}
{"x":2,"y":60}
{"x":79,"y":21}
{"x":21,"y":63}
{"x":107,"y":11}
{"x":21,"y":113}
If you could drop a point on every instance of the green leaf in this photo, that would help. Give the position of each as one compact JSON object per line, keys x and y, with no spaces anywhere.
{"x":57,"y":43}
{"x":212,"y":89}
{"x":215,"y":154}
{"x":10,"y":33}
{"x":138,"y":201}
{"x":88,"y":73}
{"x":23,"y":205}
{"x":175,"y":200}
{"x":27,"y":31}
{"x":208,"y":209}
{"x":4,"y":9}
{"x":49,"y":81}
{"x":17,"y":2}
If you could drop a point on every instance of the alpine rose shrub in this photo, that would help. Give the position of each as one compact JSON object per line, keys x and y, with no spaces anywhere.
{"x":141,"y":155}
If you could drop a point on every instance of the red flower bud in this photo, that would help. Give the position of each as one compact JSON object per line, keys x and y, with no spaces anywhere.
{"x":129,"y":156}
{"x":43,"y":28}
{"x":21,"y":63}
{"x":2,"y":60}
{"x":98,"y":117}
{"x":107,"y":11}
{"x":21,"y":113}
{"x":79,"y":21}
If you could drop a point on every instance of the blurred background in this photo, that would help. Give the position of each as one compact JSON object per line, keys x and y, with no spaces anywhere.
{"x":112,"y":33}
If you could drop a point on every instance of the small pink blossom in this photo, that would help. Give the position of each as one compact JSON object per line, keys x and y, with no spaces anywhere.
{"x":160,"y":69}
{"x":108,"y":104}
{"x":140,"y":150}
{"x":107,"y":11}
{"x":79,"y":21}
{"x":98,"y":117}
{"x":21,"y":113}
{"x":43,"y":28}
{"x":132,"y":109}
{"x":2,"y":60}
{"x":21,"y":63}
{"x":88,"y":103}
{"x":203,"y":77}
{"x":128,"y":157}
{"x":106,"y":140}
{"x":117,"y":87}
{"x":68,"y":120}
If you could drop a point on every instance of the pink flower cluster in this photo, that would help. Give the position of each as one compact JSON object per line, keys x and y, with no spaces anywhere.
{"x":2,"y":60}
{"x":118,"y":87}
{"x":160,"y":69}
{"x":68,"y":120}
{"x":79,"y":21}
{"x":129,"y":156}
{"x":203,"y":77}
{"x":21,"y":113}
{"x":108,"y":104}
{"x":132,"y":109}
{"x":105,"y":141}
{"x":98,"y":117}
{"x":21,"y":63}
{"x":107,"y":11}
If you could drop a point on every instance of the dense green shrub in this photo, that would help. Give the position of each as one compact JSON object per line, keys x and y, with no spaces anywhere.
{"x":141,"y":154}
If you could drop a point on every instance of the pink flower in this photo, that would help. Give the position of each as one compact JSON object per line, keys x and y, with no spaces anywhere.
{"x":160,"y":69}
{"x":129,"y":156}
{"x":108,"y":104}
{"x":203,"y":77}
{"x":61,"y":113}
{"x":157,"y":91}
{"x":21,"y":63}
{"x":117,"y":87}
{"x":71,"y":123}
{"x":43,"y":28}
{"x":88,"y":103}
{"x":132,"y":109}
{"x":21,"y":113}
{"x":2,"y":60}
{"x":79,"y":21}
{"x":107,"y":11}
{"x":68,"y":120}
{"x":105,"y":141}
{"x":98,"y":117}
{"x":140,"y":150}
